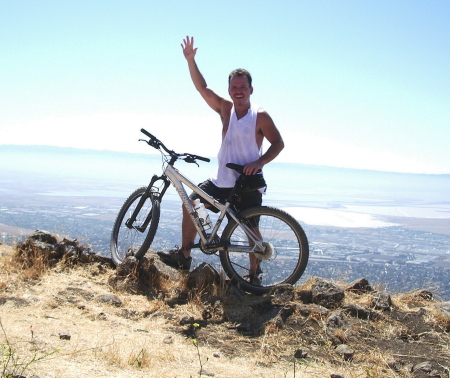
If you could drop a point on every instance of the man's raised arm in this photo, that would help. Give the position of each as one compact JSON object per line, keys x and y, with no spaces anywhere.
{"x":211,"y":98}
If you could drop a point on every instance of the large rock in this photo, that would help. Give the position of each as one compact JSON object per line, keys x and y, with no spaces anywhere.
{"x":45,"y":237}
{"x":283,"y":315}
{"x":142,"y":275}
{"x":336,"y":320}
{"x":359,"y":286}
{"x":203,"y":276}
{"x":52,"y":248}
{"x":312,"y":309}
{"x":156,"y":267}
{"x":304,"y":296}
{"x":327,"y":294}
{"x":382,"y":300}
{"x":345,"y":351}
{"x":282,"y":294}
{"x":360,"y":312}
{"x":128,"y":266}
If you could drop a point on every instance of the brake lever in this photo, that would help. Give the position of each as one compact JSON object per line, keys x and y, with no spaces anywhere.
{"x":155,"y":143}
{"x":190,"y":159}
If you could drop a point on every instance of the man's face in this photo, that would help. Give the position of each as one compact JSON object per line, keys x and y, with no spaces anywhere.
{"x":240,"y":90}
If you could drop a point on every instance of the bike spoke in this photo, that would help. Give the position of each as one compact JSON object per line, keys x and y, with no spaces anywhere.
{"x":285,"y":245}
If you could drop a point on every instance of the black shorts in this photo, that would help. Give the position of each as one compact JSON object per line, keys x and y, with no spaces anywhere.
{"x":244,"y":201}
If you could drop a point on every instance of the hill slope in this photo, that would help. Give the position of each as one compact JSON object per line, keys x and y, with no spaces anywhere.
{"x":79,"y":316}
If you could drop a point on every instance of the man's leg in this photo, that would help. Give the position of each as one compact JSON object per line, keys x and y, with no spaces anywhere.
{"x":188,"y":233}
{"x":180,"y":257}
{"x":188,"y":230}
{"x":254,"y":261}
{"x":248,"y":200}
{"x":253,"y":270}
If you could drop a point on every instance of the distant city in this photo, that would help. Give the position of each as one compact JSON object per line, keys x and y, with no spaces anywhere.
{"x":78,"y":194}
{"x":394,"y":258}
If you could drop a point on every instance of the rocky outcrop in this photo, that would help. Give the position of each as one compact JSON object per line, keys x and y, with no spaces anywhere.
{"x":52,"y":248}
{"x":328,"y":321}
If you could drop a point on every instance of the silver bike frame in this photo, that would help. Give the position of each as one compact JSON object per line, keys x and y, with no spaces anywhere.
{"x":178,"y":179}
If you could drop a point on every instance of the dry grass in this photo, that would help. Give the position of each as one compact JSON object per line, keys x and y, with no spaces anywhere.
{"x":145,"y":340}
{"x":30,"y":266}
{"x":143,"y":337}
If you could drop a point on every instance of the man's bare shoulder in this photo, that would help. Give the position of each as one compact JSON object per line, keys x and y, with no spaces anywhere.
{"x":261,"y":110}
{"x":225,"y":108}
{"x":263,"y":116}
{"x":227,"y":104}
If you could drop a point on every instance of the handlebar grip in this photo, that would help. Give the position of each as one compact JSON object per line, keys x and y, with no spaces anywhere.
{"x":147,"y":133}
{"x":203,"y":158}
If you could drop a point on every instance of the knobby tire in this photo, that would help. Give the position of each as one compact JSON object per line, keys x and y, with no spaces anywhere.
{"x":127,"y":241}
{"x":289,"y":245}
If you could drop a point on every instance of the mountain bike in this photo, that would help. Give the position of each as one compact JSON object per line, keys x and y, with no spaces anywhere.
{"x":272,"y":235}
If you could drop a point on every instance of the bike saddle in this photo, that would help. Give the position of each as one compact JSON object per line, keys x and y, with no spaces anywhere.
{"x":237,"y":167}
{"x":248,"y":183}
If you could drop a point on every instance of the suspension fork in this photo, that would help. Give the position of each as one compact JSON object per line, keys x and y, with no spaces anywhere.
{"x":151,"y":192}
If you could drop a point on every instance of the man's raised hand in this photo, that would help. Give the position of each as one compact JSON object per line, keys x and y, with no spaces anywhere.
{"x":188,"y":48}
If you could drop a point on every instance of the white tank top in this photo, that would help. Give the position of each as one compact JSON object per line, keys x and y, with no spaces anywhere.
{"x":238,"y":146}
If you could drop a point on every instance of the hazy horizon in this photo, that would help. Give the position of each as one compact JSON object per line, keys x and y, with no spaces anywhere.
{"x":344,"y":197}
{"x":151,"y":152}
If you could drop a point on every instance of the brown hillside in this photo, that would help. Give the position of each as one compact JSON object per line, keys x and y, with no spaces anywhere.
{"x":72,"y":314}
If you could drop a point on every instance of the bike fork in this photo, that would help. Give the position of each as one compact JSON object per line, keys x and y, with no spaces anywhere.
{"x":149,"y":194}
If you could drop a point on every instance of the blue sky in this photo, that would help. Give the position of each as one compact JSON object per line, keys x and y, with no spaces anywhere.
{"x":361,"y":84}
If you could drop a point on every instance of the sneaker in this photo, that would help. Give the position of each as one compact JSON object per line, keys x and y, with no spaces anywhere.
{"x":253,"y":278}
{"x":176,"y":259}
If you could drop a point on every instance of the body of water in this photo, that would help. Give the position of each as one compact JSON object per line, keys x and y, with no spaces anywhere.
{"x":314,"y":194}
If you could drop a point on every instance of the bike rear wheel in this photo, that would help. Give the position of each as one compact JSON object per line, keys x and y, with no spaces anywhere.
{"x":285,"y":241}
{"x":135,"y":239}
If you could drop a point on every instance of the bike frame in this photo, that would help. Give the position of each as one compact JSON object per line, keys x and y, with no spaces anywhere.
{"x":259,"y":247}
{"x":178,"y":179}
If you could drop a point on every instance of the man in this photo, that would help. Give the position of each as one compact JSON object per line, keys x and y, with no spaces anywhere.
{"x":243,"y":129}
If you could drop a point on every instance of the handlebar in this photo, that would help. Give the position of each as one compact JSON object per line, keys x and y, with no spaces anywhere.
{"x":153,"y":141}
{"x":148,"y":134}
{"x":156,"y":143}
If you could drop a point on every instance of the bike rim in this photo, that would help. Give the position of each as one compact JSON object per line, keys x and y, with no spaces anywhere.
{"x":130,"y":240}
{"x":281,"y":266}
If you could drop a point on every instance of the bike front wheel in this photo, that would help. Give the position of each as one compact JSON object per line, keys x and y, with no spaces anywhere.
{"x":286,"y":245}
{"x":134,"y":239}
